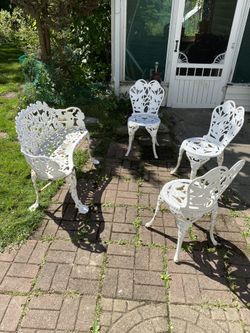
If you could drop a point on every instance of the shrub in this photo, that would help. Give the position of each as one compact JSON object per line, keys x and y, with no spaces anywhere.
{"x":17,"y":28}
{"x":39,"y":85}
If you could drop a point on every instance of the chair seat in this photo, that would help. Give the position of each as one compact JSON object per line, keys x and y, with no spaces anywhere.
{"x":63,"y":155}
{"x":144,"y":120}
{"x":202,"y":147}
{"x":174,"y":193}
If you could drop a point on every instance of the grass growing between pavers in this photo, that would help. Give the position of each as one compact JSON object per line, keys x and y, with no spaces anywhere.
{"x":96,"y":327}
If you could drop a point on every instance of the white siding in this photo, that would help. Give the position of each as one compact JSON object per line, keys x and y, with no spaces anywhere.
{"x":240,"y":94}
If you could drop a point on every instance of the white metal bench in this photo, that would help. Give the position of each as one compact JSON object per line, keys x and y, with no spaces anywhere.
{"x":48,"y":138}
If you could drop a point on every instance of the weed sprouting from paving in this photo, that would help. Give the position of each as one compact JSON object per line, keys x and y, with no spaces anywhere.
{"x":98,"y":309}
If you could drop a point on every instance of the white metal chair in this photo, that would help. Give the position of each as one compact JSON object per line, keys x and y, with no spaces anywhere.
{"x":189,"y":200}
{"x":146,"y":99}
{"x":226,"y":122}
{"x":48,"y":138}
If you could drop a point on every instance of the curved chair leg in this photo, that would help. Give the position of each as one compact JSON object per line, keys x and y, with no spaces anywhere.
{"x":195,"y":163}
{"x":220,"y":159}
{"x":131,"y":132}
{"x":213,"y":221}
{"x":181,"y":151}
{"x":194,"y":170}
{"x":93,"y":160}
{"x":83,"y":209}
{"x":182,"y":230}
{"x":36,"y":204}
{"x":159,"y":201}
{"x":152,"y":130}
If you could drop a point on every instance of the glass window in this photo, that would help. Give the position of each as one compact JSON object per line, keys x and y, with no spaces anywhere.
{"x":242,"y":69}
{"x":147,"y":38}
{"x":206,"y":28}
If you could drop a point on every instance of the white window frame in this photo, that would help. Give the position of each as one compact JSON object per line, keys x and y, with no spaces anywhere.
{"x":118,"y":37}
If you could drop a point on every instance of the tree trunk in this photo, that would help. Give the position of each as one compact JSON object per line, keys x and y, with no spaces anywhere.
{"x":44,"y":39}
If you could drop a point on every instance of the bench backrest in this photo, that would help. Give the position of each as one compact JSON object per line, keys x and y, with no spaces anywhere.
{"x":42,"y":129}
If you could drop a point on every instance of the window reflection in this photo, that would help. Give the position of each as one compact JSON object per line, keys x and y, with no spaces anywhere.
{"x":147,"y":38}
{"x":205,"y":30}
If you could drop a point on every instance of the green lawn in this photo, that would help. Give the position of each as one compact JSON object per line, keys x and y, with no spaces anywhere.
{"x":16,"y":191}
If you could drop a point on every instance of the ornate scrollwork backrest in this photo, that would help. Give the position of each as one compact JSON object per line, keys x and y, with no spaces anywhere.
{"x":41,"y":128}
{"x":33,"y":125}
{"x":146,"y":97}
{"x":226,"y":122}
{"x":203,"y":192}
{"x":229,"y":176}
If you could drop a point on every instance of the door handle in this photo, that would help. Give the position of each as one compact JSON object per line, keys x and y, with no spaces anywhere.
{"x":176,"y":45}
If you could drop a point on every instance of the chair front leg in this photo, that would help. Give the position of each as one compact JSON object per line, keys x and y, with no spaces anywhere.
{"x":34,"y":178}
{"x":220,"y":159}
{"x":83,"y":209}
{"x":132,"y":128}
{"x":213,"y":221}
{"x":182,"y":230}
{"x":195,"y":163}
{"x":152,"y":130}
{"x":157,"y":208}
{"x":181,"y":151}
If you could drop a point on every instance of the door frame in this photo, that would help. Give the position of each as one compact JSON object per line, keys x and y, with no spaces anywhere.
{"x":118,"y":37}
{"x":236,"y":34}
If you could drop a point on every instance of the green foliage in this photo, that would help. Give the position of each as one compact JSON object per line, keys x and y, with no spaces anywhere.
{"x":19,"y":29}
{"x":39,"y":85}
{"x":166,"y":278}
{"x":79,"y":67}
{"x":80,"y":158}
{"x":91,"y":38}
{"x":137,"y":223}
{"x":246,"y":232}
{"x":192,"y":236}
{"x":96,"y":327}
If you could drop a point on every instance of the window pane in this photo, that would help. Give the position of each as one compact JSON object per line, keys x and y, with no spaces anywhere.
{"x":147,"y":37}
{"x":206,"y":28}
{"x":242,"y":70}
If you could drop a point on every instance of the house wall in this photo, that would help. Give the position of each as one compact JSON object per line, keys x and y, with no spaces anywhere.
{"x":240,"y":94}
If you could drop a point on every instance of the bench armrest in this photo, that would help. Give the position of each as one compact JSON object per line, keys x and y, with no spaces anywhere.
{"x":72,"y":117}
{"x":44,"y":167}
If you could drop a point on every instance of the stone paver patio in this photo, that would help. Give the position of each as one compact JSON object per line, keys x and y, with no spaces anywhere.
{"x":76,"y":271}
